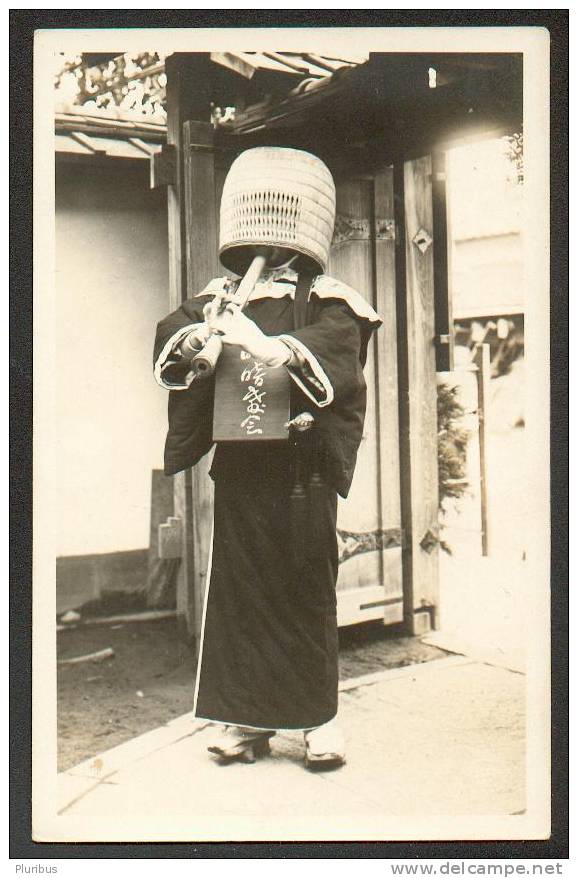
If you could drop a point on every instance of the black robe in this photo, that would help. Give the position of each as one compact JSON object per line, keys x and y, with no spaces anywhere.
{"x":269,"y":641}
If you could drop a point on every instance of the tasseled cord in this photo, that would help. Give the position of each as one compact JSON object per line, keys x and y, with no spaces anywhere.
{"x":298,"y":502}
{"x":316,"y":492}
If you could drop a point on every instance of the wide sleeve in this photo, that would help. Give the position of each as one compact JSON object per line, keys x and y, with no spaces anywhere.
{"x":330,"y":353}
{"x":171,"y":370}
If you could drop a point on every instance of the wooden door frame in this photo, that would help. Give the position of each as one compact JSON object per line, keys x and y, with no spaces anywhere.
{"x":409,"y":190}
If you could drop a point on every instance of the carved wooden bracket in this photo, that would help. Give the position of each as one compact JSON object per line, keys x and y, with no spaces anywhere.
{"x":170,"y":538}
{"x":163,"y":166}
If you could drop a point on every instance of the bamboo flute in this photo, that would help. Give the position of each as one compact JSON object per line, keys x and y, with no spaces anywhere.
{"x":205,"y":361}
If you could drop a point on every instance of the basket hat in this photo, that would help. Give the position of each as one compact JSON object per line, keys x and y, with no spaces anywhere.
{"x":277,"y":197}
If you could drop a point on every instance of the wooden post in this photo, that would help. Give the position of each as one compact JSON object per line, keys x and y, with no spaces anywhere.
{"x":202,"y":247}
{"x":187,"y":98}
{"x":386,"y":353}
{"x":482,"y":361}
{"x":444,"y":330}
{"x":417,"y":392}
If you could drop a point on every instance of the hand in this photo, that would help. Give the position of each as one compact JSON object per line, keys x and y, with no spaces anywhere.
{"x":195,"y":340}
{"x":214,"y":309}
{"x":235,"y":328}
{"x":301,"y":423}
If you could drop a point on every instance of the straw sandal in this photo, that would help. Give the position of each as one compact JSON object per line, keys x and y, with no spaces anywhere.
{"x":236,"y":744}
{"x":324,"y":747}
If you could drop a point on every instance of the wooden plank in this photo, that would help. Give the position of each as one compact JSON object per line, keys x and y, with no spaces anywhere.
{"x":417,"y":389}
{"x":386,"y":369}
{"x":202,"y":264}
{"x":444,"y":334}
{"x":367,"y":604}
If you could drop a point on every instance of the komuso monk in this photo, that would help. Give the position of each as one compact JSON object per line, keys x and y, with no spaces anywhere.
{"x":269,"y":649}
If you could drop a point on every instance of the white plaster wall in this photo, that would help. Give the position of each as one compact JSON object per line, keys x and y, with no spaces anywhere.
{"x":488,"y":276}
{"x":111,"y":289}
{"x":485,"y":205}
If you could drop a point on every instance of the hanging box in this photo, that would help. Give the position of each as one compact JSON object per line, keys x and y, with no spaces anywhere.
{"x":251,"y":399}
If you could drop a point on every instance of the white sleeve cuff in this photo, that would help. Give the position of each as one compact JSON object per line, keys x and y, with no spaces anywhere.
{"x":164,"y":359}
{"x":315,"y":367}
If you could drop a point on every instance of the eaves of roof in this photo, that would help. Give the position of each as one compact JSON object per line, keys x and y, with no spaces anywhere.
{"x":112,"y":135}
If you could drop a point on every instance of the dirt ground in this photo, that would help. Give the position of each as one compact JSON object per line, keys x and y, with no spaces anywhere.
{"x":150,"y":680}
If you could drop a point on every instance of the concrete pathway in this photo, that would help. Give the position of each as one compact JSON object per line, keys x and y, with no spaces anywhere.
{"x":442,"y":738}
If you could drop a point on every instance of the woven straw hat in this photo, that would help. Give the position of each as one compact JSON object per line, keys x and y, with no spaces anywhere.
{"x":277,"y":197}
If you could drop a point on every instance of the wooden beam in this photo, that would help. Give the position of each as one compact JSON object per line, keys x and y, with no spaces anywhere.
{"x":64,"y":123}
{"x":153,"y":70}
{"x":287,"y":62}
{"x":146,"y":148}
{"x":89,"y":144}
{"x":236,"y":62}
{"x":417,"y":392}
{"x":323,"y":63}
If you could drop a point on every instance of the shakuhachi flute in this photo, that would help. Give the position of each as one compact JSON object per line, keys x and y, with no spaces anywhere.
{"x":205,"y":361}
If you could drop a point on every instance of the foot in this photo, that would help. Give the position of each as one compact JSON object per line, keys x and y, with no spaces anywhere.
{"x":238,"y":744}
{"x":324,"y":747}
